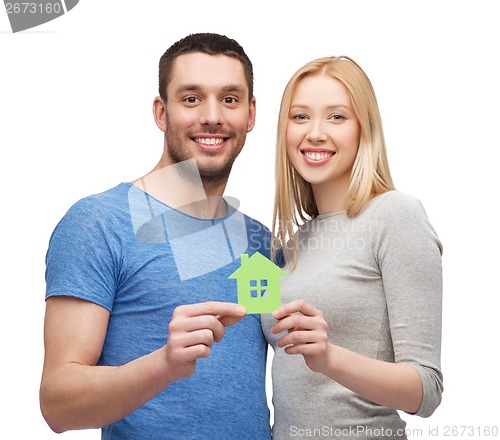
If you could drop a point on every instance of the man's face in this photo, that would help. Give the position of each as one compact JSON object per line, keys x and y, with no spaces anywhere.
{"x":208,"y":112}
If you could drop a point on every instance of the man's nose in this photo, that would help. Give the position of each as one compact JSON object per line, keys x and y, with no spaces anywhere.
{"x":212,"y":112}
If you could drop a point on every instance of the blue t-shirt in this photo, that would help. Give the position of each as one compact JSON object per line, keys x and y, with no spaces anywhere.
{"x":140,"y":259}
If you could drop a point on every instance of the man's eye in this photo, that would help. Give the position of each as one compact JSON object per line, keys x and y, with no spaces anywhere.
{"x":191,"y":99}
{"x":229,"y":100}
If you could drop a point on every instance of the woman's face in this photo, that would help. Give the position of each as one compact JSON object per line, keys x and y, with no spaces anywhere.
{"x":322,"y":133}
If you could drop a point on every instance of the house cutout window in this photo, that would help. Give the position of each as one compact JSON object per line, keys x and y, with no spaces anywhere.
{"x":258,"y":288}
{"x":263,"y":292}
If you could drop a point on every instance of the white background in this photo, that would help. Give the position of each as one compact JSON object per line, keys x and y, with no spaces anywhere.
{"x":75,"y":119}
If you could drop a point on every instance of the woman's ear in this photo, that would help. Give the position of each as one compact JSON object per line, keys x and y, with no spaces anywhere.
{"x":159,"y":113}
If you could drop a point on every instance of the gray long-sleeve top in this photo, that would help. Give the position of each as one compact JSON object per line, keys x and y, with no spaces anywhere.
{"x":377,"y":278}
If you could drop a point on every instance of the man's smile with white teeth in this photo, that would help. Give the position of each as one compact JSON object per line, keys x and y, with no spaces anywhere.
{"x":209,"y":141}
{"x":313,"y":155}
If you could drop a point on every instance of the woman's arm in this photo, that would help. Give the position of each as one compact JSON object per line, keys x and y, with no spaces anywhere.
{"x":395,"y":385}
{"x":408,"y":254}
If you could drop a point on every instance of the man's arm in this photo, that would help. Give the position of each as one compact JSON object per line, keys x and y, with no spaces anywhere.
{"x":77,"y":394}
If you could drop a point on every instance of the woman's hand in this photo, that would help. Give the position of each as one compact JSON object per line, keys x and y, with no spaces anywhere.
{"x":307,"y":333}
{"x":396,"y":385}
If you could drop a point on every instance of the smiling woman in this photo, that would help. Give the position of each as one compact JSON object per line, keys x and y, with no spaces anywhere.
{"x":374,"y":331}
{"x":322,"y":138}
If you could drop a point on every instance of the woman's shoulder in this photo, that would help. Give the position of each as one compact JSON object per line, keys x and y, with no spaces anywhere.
{"x":394,"y":200}
{"x":402,"y":218}
{"x":395,"y":206}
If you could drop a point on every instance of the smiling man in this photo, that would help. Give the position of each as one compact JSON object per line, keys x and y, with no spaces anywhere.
{"x":137,"y":276}
{"x":205,"y":113}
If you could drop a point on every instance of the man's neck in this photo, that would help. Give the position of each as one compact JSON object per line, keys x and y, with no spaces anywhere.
{"x":181,"y":187}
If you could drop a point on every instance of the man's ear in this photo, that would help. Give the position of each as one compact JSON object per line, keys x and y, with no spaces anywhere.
{"x":159,"y":113}
{"x":251,"y":115}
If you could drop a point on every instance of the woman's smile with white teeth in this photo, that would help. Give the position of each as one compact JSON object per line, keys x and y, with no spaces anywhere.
{"x":321,"y":155}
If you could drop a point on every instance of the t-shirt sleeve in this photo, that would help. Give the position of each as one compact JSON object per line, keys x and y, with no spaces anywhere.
{"x":82,"y":259}
{"x":259,"y":236}
{"x":409,"y":256}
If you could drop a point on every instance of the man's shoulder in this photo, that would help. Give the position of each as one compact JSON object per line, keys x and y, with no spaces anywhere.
{"x":255,"y":221}
{"x":117,"y":194}
{"x":258,"y":235}
{"x":101,"y":205}
{"x":252,"y":224}
{"x":255,"y":226}
{"x":112,"y":196}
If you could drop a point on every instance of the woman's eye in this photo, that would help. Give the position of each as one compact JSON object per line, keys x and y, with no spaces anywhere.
{"x":337,"y":117}
{"x":299,"y":117}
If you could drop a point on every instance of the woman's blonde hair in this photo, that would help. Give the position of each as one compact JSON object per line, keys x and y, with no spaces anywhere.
{"x":294,"y":201}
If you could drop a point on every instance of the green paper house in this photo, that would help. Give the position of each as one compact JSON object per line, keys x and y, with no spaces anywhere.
{"x":258,"y":283}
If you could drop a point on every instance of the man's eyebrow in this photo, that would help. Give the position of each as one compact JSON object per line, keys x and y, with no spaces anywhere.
{"x":196,"y":88}
{"x":187,"y":88}
{"x":234,"y":88}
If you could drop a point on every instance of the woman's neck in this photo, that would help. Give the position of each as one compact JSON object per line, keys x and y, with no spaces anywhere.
{"x":331,"y":196}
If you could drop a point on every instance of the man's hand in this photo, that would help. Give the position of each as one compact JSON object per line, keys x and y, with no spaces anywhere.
{"x":192,"y":332}
{"x":76,"y":393}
